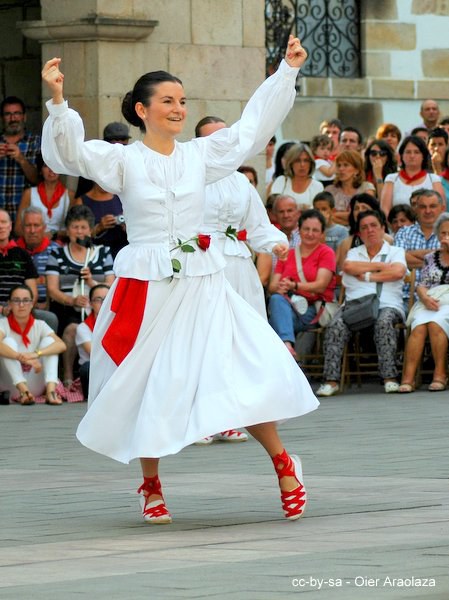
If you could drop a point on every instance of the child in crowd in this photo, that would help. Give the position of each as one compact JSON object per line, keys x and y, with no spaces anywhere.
{"x":321,"y":146}
{"x":334,"y":234}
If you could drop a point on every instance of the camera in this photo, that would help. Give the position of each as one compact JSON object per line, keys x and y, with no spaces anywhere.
{"x":119,"y":219}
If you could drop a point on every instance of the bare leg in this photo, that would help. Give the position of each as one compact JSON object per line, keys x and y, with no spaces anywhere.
{"x":267,"y":435}
{"x":413,"y":353}
{"x":68,"y":358}
{"x":438,"y":343}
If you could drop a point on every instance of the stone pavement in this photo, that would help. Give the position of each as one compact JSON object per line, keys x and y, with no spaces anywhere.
{"x":376,"y":469}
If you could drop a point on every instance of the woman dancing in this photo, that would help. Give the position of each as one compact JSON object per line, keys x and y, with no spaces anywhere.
{"x":177,"y":355}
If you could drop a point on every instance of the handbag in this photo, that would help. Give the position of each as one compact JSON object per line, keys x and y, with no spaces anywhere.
{"x":363,"y":312}
{"x":325,"y":311}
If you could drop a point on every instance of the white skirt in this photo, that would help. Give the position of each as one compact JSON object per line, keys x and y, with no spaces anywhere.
{"x":244,"y":278}
{"x":203,"y":362}
{"x":440,"y":317}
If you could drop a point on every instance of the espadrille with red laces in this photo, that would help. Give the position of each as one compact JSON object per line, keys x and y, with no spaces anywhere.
{"x":293,"y":502}
{"x":153,"y":512}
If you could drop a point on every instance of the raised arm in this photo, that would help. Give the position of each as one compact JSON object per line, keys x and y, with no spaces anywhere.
{"x":63,"y":147}
{"x":225,"y":150}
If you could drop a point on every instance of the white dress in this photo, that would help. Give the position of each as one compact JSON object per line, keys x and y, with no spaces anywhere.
{"x":234,"y":202}
{"x":204,"y":361}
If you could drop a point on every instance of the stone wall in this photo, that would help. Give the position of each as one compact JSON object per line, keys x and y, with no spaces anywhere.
{"x":405,"y":59}
{"x":20,"y":60}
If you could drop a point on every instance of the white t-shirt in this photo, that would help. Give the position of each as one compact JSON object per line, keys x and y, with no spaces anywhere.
{"x":318,"y":175}
{"x":36,"y":334}
{"x":391,"y":293}
{"x":283,"y":185}
{"x":402,"y":191}
{"x":83,"y":335}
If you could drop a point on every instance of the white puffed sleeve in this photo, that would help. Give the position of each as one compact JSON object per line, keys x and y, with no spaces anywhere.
{"x":228,"y":148}
{"x":262,"y":235}
{"x":65,"y":151}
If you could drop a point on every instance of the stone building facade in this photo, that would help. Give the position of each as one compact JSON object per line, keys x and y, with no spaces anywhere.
{"x":218,"y":49}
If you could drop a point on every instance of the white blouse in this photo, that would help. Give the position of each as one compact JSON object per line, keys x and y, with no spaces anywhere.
{"x":234,"y":202}
{"x":163,"y":196}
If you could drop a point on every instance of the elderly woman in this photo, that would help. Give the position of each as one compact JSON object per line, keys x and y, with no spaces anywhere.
{"x":312,"y":280}
{"x":297,"y":180}
{"x":414,"y":173}
{"x":28,"y":351}
{"x":429,"y":316}
{"x":367,"y":265}
{"x":69,"y":269}
{"x":349,"y":180}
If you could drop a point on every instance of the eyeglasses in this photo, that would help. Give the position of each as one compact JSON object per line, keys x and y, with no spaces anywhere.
{"x":98,"y":299}
{"x":16,"y":113}
{"x":378,"y":153}
{"x":21,"y":301}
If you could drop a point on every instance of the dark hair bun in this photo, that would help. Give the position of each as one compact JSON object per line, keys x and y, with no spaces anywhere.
{"x":129,"y":111}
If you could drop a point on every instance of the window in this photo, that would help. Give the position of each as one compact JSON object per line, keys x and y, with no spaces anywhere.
{"x":328,"y":29}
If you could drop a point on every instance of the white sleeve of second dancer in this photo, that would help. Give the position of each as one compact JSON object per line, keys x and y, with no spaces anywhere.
{"x":228,"y":148}
{"x":261,"y":234}
{"x":65,"y":151}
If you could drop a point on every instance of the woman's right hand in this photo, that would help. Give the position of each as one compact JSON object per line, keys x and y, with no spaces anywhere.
{"x":430,"y":303}
{"x":54,"y":79}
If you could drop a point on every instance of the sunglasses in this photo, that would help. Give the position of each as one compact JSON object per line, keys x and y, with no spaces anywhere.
{"x":378,"y":153}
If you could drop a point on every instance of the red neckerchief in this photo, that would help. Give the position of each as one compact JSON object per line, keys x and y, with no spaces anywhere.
{"x":413,"y":178}
{"x":5,"y":249}
{"x":42,"y":246}
{"x":90,"y":321}
{"x":57,"y":194}
{"x":445,"y":173}
{"x":16,"y":327}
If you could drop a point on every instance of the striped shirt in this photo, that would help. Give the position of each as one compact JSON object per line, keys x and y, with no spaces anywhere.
{"x":15,"y":268}
{"x":61,"y":263}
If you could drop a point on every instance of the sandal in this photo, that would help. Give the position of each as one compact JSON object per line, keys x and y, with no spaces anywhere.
{"x":406,"y":388}
{"x":26,"y":398}
{"x":294,"y":501}
{"x":154,"y":512}
{"x":53,"y":398}
{"x":437,"y":385}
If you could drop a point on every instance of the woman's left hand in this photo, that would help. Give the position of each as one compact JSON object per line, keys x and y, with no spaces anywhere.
{"x":281,"y":251}
{"x":295,"y":55}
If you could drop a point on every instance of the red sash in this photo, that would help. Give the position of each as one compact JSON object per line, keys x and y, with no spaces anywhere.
{"x":42,"y":246}
{"x":5,"y":249}
{"x":90,"y":321}
{"x":410,"y":179}
{"x":128,"y":304}
{"x":49,"y":203}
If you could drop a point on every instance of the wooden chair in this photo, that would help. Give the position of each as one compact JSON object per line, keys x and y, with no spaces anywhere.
{"x":359,"y":362}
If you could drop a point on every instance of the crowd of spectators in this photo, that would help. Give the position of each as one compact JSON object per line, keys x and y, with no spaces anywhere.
{"x":343,"y":203}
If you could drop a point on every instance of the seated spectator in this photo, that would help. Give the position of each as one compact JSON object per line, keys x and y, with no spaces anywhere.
{"x":444,"y":124}
{"x":269,"y":208}
{"x":51,"y":196}
{"x":414,"y":174}
{"x":401,"y":215}
{"x":110,"y":226}
{"x":38,"y":246}
{"x":391,"y":134}
{"x":359,"y":203}
{"x":29,"y":351}
{"x":437,"y":146}
{"x":333,"y":131}
{"x":379,"y":162}
{"x":349,"y":181}
{"x":279,"y":163}
{"x":445,"y":176}
{"x":16,"y":266}
{"x":313,"y":280}
{"x":421,"y":132}
{"x":334,"y":233}
{"x":350,"y":139}
{"x":430,"y":316}
{"x":321,"y":147}
{"x":70,"y":268}
{"x":297,"y":180}
{"x":84,"y":331}
{"x":250,"y":173}
{"x":372,"y":262}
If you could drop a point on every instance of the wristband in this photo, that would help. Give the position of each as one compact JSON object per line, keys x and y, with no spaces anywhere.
{"x":39,"y":353}
{"x":368,"y":276}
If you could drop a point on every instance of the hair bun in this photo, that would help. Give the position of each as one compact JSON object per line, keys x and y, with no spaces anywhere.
{"x":129,"y":111}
